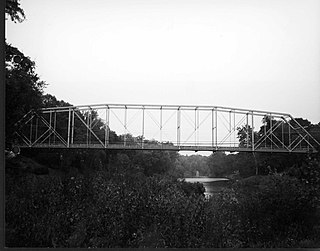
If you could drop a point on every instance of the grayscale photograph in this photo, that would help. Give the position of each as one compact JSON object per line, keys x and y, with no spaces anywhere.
{"x":162,"y":124}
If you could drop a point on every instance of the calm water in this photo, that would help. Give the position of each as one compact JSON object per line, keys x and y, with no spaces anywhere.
{"x":211,"y":185}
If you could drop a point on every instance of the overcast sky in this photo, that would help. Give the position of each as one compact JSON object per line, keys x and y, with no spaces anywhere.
{"x":262,"y":55}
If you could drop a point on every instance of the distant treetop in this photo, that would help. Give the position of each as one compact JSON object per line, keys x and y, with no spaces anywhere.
{"x":14,"y":11}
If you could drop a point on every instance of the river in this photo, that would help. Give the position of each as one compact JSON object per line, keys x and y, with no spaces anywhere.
{"x":212,"y":185}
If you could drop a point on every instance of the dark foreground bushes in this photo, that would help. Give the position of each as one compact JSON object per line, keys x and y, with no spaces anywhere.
{"x":275,"y":211}
{"x":139,"y":211}
{"x":94,"y":211}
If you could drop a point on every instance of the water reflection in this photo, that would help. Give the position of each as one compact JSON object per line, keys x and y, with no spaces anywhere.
{"x":212,"y":185}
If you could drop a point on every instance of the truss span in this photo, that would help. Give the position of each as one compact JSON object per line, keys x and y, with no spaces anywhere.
{"x":164,"y":127}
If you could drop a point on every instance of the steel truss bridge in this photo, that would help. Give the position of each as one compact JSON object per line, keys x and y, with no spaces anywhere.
{"x":163,"y":127}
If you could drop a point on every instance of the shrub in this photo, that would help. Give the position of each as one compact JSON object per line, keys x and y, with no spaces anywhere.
{"x":274,"y":209}
{"x":94,"y":211}
{"x":132,"y":210}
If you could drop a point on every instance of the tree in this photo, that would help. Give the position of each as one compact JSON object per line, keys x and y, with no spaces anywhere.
{"x":49,"y":100}
{"x":14,"y":11}
{"x":187,"y":166}
{"x":153,"y":162}
{"x":314,"y":130}
{"x":220,"y":164}
{"x":245,"y":136}
{"x":23,"y":87}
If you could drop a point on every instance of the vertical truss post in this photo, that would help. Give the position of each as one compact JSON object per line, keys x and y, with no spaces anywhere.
{"x":142,"y":126}
{"x":31,"y":131}
{"x":161,"y":125}
{"x":198,"y":126}
{"x":265,"y":132}
{"x":88,"y":124}
{"x":72,"y":127}
{"x":271,"y":131}
{"x":69,"y":124}
{"x":212,"y":125}
{"x":282,"y":134}
{"x":54,"y":126}
{"x":252,"y":132}
{"x":178,"y":125}
{"x":289,"y":134}
{"x":216,"y":127}
{"x":50,"y":122}
{"x":195,"y":126}
{"x":37,"y":124}
{"x":125,"y":126}
{"x":234,"y":128}
{"x":247,"y":129}
{"x":107,"y":132}
{"x":230,"y":128}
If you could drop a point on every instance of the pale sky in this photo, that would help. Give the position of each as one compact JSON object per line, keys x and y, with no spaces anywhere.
{"x":262,"y":55}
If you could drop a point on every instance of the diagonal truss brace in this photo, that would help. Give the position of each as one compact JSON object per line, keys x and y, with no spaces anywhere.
{"x":268,"y":134}
{"x":302,"y":137}
{"x":88,"y":127}
{"x":51,"y":130}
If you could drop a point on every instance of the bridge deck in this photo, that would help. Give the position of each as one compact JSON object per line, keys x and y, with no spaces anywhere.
{"x":167,"y":148}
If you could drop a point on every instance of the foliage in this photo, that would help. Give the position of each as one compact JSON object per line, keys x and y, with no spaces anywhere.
{"x":23,"y":87}
{"x":100,"y":210}
{"x":275,"y":211}
{"x":192,"y":188}
{"x":245,"y":136}
{"x":221,"y":164}
{"x":309,"y":174}
{"x":14,"y":10}
{"x":147,"y":162}
{"x":49,"y":100}
{"x":92,"y":211}
{"x":187,"y":166}
{"x":314,"y":130}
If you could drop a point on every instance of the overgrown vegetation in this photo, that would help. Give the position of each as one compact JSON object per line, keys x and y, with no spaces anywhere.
{"x":134,"y":210}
